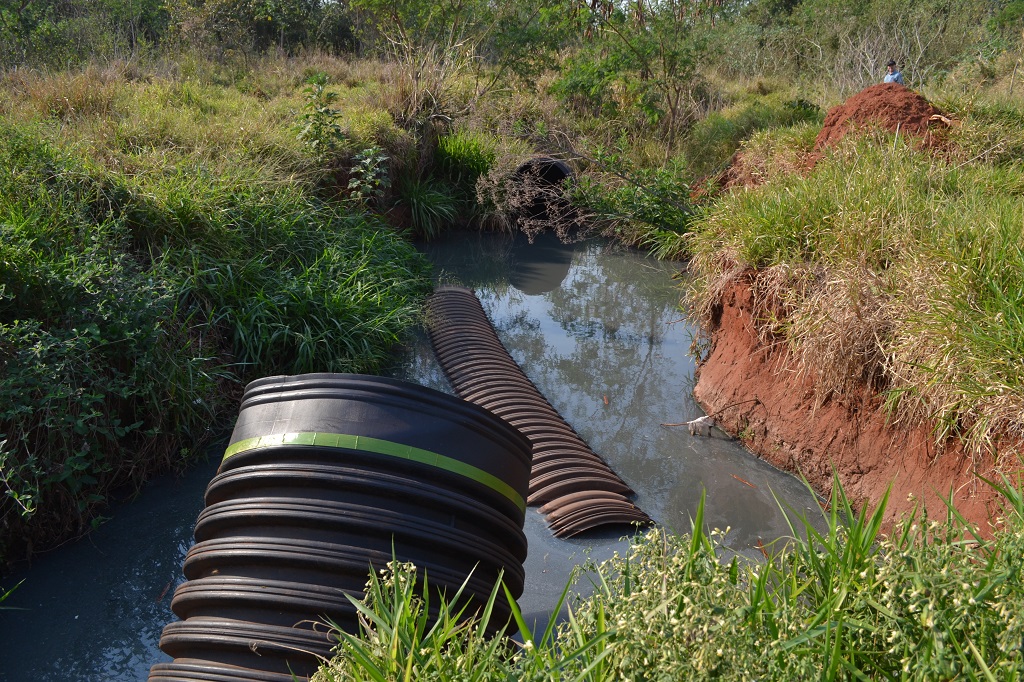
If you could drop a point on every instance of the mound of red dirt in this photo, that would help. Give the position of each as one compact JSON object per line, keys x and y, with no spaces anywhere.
{"x":889,"y":105}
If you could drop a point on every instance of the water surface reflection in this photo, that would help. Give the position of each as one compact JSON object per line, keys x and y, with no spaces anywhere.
{"x":603,"y":338}
{"x":596,"y":328}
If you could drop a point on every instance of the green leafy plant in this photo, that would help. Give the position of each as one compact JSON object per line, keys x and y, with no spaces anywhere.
{"x":320,"y":131}
{"x":368,"y":178}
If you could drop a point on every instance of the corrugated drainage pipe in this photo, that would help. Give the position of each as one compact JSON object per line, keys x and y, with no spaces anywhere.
{"x":327,"y":477}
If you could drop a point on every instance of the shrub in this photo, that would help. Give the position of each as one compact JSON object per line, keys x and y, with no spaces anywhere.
{"x":319,"y":130}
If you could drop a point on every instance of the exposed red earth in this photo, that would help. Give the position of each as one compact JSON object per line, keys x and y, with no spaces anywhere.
{"x":888,"y":105}
{"x":756,"y":392}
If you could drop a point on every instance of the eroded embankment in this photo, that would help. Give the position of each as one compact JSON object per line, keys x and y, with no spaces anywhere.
{"x":756,"y":393}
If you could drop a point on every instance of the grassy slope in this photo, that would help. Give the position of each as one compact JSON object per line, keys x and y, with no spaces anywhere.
{"x":166,"y":237}
{"x":888,"y":264}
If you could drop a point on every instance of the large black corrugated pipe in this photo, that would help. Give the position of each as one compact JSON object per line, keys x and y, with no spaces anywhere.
{"x":543,"y":202}
{"x":576,"y":488}
{"x":327,"y":477}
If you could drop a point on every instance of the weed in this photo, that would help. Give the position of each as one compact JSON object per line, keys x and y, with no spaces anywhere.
{"x":369,"y":177}
{"x":320,"y":131}
{"x":929,"y":601}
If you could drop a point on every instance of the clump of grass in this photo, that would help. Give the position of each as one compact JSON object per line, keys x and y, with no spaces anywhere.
{"x":932,"y":600}
{"x":407,"y":631}
{"x":432,"y":209}
{"x":463,"y":156}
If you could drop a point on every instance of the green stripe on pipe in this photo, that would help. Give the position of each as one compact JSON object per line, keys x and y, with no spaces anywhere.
{"x":380,"y":447}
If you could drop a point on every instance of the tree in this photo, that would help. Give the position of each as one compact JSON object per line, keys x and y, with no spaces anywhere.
{"x":59,"y":32}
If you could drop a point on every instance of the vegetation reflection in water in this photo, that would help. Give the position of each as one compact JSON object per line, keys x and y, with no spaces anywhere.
{"x":605,"y":341}
{"x":607,"y":324}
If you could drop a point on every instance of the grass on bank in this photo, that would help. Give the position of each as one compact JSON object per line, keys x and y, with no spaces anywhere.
{"x":163,"y":242}
{"x":930,"y":601}
{"x":888,"y":264}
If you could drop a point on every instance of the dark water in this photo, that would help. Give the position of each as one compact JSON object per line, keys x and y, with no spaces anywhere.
{"x":597,"y":329}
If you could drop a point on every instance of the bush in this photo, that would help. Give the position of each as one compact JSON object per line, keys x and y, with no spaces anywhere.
{"x":635,"y":205}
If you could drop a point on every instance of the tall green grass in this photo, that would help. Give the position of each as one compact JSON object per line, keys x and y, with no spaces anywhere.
{"x":929,"y":601}
{"x":893,"y":264}
{"x":713,"y":140}
{"x":133,"y":304}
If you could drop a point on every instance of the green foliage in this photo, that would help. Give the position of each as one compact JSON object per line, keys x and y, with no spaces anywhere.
{"x":587,"y":83}
{"x":254,"y":26}
{"x":924,"y":603}
{"x":129,"y":305}
{"x":463,"y":156}
{"x":320,"y":131}
{"x":835,"y":601}
{"x":522,"y":38}
{"x":1009,"y":19}
{"x":62,"y":32}
{"x":633,"y":204}
{"x":409,"y":632}
{"x":839,"y":48}
{"x":432,"y":208}
{"x":369,"y":177}
{"x":711,"y":143}
{"x":4,"y":594}
{"x":643,"y":68}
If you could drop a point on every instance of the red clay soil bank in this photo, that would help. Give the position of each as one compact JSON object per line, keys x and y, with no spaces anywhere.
{"x":752,"y":391}
{"x":889,"y":105}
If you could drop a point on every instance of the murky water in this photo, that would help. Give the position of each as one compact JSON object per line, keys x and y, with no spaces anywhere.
{"x":599,"y":332}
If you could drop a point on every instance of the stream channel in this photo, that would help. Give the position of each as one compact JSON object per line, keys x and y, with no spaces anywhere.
{"x":599,"y":331}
